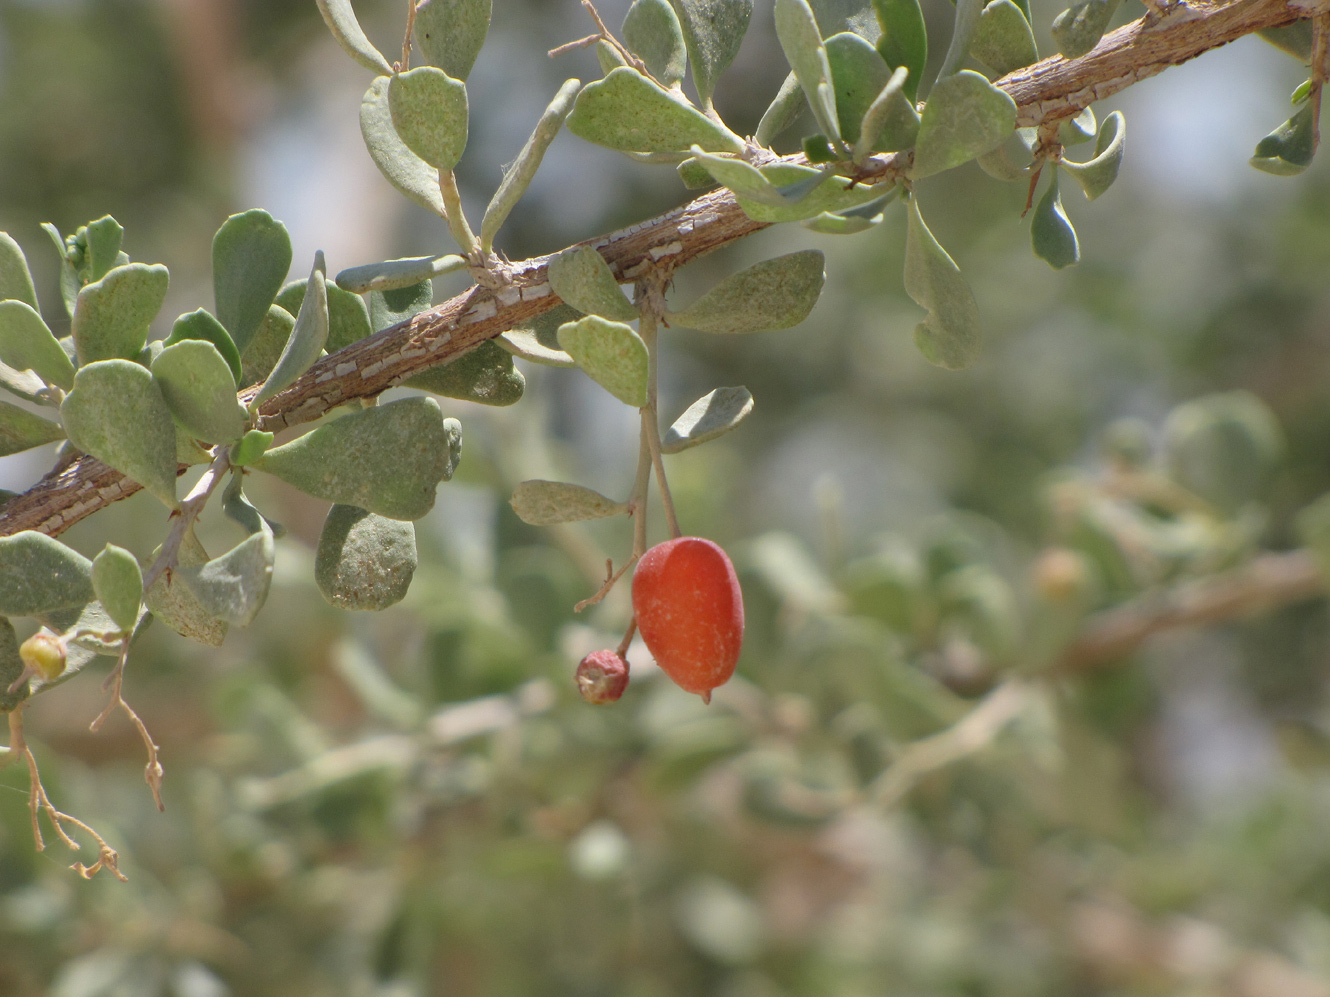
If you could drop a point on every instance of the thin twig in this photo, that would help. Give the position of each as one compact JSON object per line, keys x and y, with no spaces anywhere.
{"x":185,"y":517}
{"x":611,"y":578}
{"x":651,"y":306}
{"x":405,"y":64}
{"x":153,"y":773}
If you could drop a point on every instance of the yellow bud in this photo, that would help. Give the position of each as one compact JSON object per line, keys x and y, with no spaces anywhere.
{"x":44,"y":653}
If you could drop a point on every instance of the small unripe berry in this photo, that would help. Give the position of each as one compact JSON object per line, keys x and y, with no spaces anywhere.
{"x":602,"y":676}
{"x":690,"y":612}
{"x":1061,"y":574}
{"x":44,"y":654}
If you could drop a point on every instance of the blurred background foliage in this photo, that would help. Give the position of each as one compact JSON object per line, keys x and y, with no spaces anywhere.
{"x":417,"y":802}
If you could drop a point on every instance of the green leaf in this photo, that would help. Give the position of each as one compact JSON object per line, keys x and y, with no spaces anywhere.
{"x":348,"y":318}
{"x":538,"y":340}
{"x":11,"y":668}
{"x":307,"y":338}
{"x":25,"y":384}
{"x":1077,"y":29}
{"x":267,"y":345}
{"x":782,"y":111}
{"x":484,"y":375}
{"x":387,"y":308}
{"x":15,"y":278}
{"x":251,"y":255}
{"x":628,"y":112}
{"x":851,"y":222}
{"x":611,"y":354}
{"x":609,"y":57}
{"x":201,"y":325}
{"x":796,"y":27}
{"x":364,"y":561}
{"x":1003,"y":41}
{"x":891,"y":122}
{"x":429,"y":112}
{"x":518,"y":176}
{"x":171,"y":600}
{"x":582,"y":278}
{"x":1224,"y":448}
{"x":652,"y":32}
{"x":949,"y":335}
{"x":69,"y":280}
{"x":1293,"y":39}
{"x":1098,"y":174}
{"x":1082,"y":128}
{"x":391,"y":275}
{"x":116,"y":413}
{"x":21,"y":430}
{"x":712,"y":415}
{"x":111,"y":316}
{"x":399,"y":165}
{"x":118,"y":584}
{"x":773,"y":294}
{"x":1002,"y":163}
{"x":103,"y":237}
{"x":1051,"y":232}
{"x":713,"y":31}
{"x":199,"y":389}
{"x":27,"y":344}
{"x":233,"y":587}
{"x":251,"y":447}
{"x":740,"y":177}
{"x":1288,"y":150}
{"x":827,"y":193}
{"x":545,"y":503}
{"x":451,"y":33}
{"x":859,"y":75}
{"x":341,"y":21}
{"x":387,"y":459}
{"x":239,"y":509}
{"x":39,"y":574}
{"x":904,"y":40}
{"x":965,"y":117}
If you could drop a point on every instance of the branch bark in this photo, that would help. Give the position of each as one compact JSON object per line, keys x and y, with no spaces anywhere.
{"x":1052,"y":89}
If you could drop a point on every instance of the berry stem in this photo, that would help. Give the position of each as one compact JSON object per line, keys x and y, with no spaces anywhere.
{"x":651,"y":305}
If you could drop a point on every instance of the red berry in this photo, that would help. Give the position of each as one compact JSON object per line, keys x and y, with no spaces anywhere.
{"x":602,"y":676}
{"x":690,"y":612}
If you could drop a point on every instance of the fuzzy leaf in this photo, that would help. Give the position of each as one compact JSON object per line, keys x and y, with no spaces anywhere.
{"x":251,"y":447}
{"x":11,"y":667}
{"x":713,"y":31}
{"x":518,"y":176}
{"x":391,"y":275}
{"x":1078,"y":29}
{"x":341,"y":21}
{"x":1292,"y":39}
{"x":965,"y":117}
{"x":1098,"y":174}
{"x":118,"y":583}
{"x":364,"y":561}
{"x":782,"y":111}
{"x":307,"y":338}
{"x":652,"y":32}
{"x":251,"y":254}
{"x":25,"y":384}
{"x":387,"y":308}
{"x":399,"y":165}
{"x":712,"y":415}
{"x":891,"y":122}
{"x":27,"y":344}
{"x":949,"y":335}
{"x":1082,"y":128}
{"x":111,"y":316}
{"x":116,"y":413}
{"x":200,"y":325}
{"x":904,"y":40}
{"x":1051,"y":233}
{"x":15,"y":278}
{"x":484,"y":375}
{"x":773,"y":294}
{"x":544,"y":503}
{"x":859,"y":75}
{"x":172,"y":602}
{"x":103,"y":240}
{"x":851,"y":222}
{"x":451,"y":33}
{"x":267,"y":345}
{"x":241,"y":510}
{"x":233,"y":587}
{"x":429,"y":112}
{"x":69,"y":280}
{"x":1003,"y":41}
{"x":827,"y":192}
{"x":584,"y":280}
{"x":1288,"y":150}
{"x":39,"y":574}
{"x":628,"y":112}
{"x":21,"y":430}
{"x":796,"y":27}
{"x":538,"y":341}
{"x":611,"y":354}
{"x":198,"y":387}
{"x":740,"y":177}
{"x":348,"y":318}
{"x":1009,"y":161}
{"x":387,"y":459}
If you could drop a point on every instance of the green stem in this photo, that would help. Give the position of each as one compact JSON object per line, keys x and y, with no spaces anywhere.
{"x":651,"y":304}
{"x":456,"y":217}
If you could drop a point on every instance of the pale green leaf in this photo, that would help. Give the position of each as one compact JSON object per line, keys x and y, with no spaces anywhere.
{"x":233,"y":587}
{"x":1098,"y":174}
{"x":391,"y":275}
{"x":348,"y":317}
{"x":1051,"y":233}
{"x":25,"y":384}
{"x":1293,"y":39}
{"x":451,"y":33}
{"x":103,"y":241}
{"x":484,"y":375}
{"x":21,"y":430}
{"x":859,"y":76}
{"x":27,"y":344}
{"x":652,"y":32}
{"x":399,"y":165}
{"x":118,"y":584}
{"x":201,"y":325}
{"x":1078,"y":29}
{"x":904,"y":40}
{"x":1224,"y":447}
{"x":782,"y":111}
{"x":69,"y":280}
{"x":1003,"y":41}
{"x":891,"y":122}
{"x":364,"y":561}
{"x":11,"y":668}
{"x":808,"y":193}
{"x":582,"y":278}
{"x":773,"y":294}
{"x":341,"y":21}
{"x":611,"y":354}
{"x":267,"y":345}
{"x":796,"y":27}
{"x":1288,"y":150}
{"x":1082,"y":128}
{"x":111,"y":316}
{"x":239,"y":509}
{"x":538,"y":340}
{"x":713,"y":31}
{"x":39,"y":574}
{"x":628,"y":112}
{"x":609,"y":57}
{"x":15,"y":278}
{"x":949,"y":335}
{"x":966,"y":116}
{"x":545,"y":503}
{"x":851,"y":222}
{"x":429,"y":113}
{"x":1009,"y":162}
{"x":387,"y":308}
{"x":171,"y":600}
{"x":251,"y":447}
{"x":387,"y":459}
{"x":740,"y":177}
{"x":251,"y":255}
{"x":307,"y":338}
{"x":712,"y":415}
{"x":198,"y":387}
{"x":117,"y":414}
